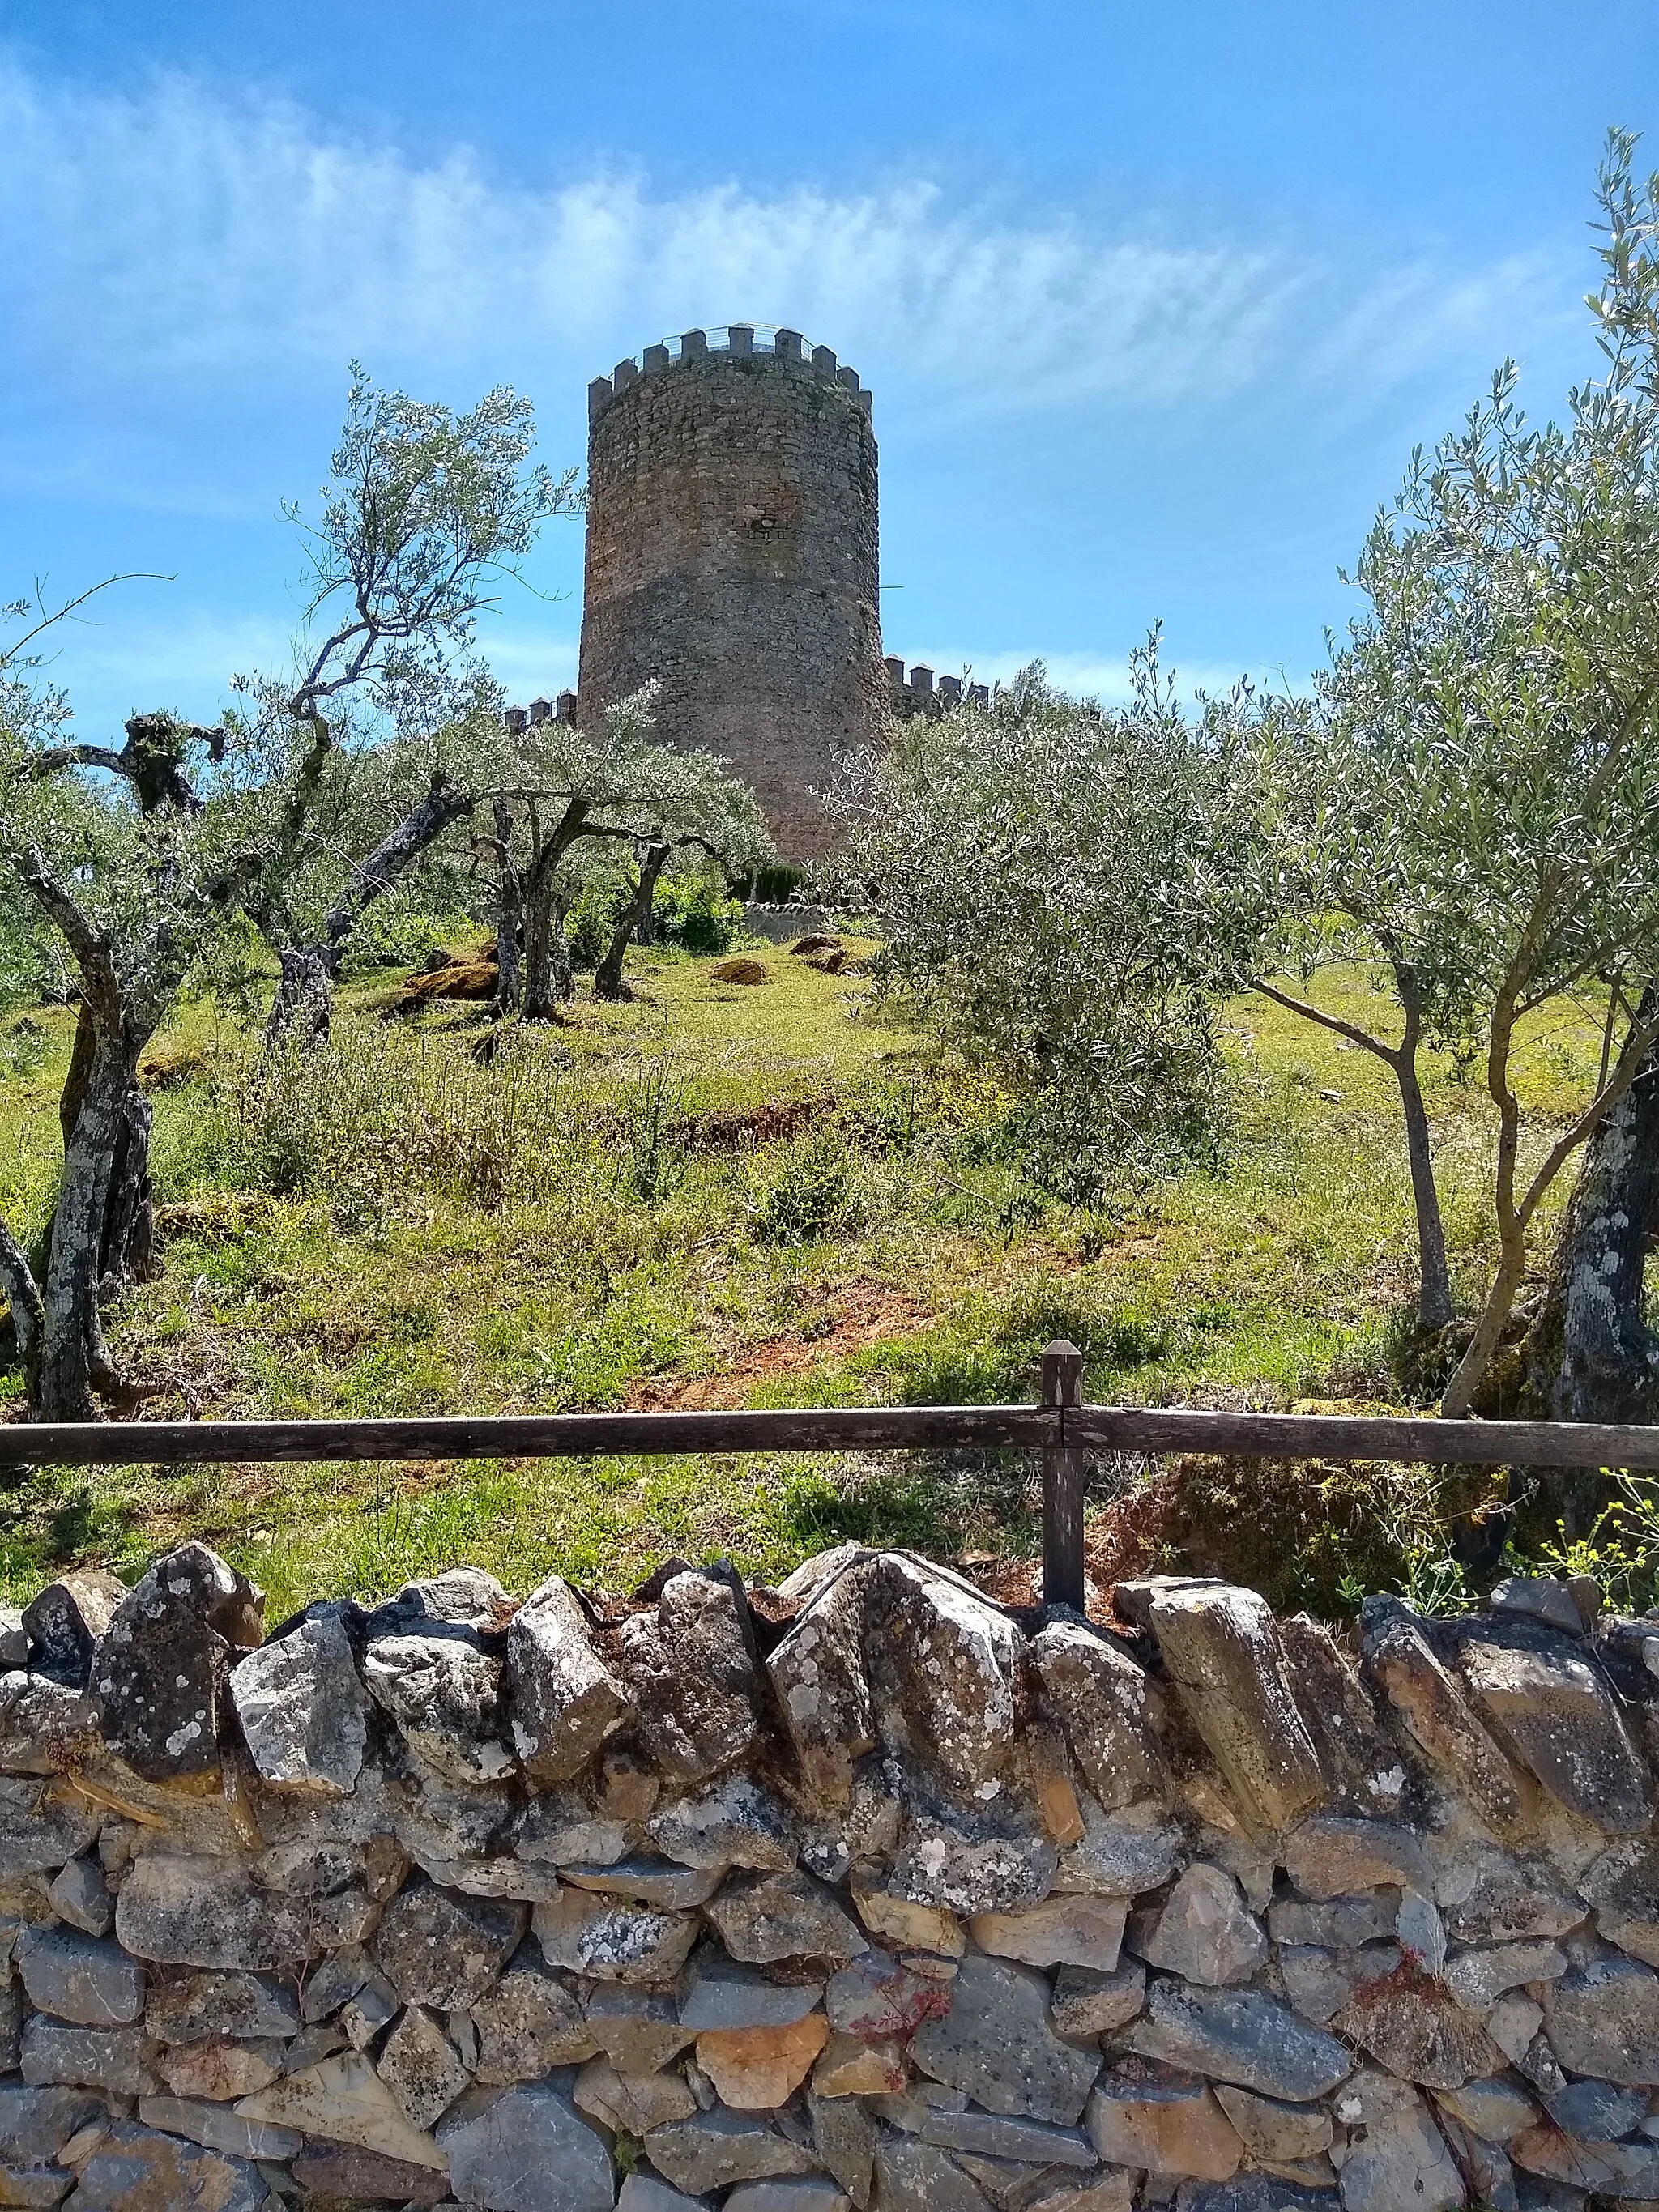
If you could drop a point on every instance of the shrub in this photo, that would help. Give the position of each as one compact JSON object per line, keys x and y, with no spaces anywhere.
{"x":694,"y":913}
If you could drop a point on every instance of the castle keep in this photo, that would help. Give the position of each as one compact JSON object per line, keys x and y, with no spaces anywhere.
{"x":732,"y":555}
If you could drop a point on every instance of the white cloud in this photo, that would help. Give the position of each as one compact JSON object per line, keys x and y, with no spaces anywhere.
{"x":172,"y":239}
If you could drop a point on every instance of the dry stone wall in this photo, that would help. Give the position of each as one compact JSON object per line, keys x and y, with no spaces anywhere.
{"x":864,"y":1891}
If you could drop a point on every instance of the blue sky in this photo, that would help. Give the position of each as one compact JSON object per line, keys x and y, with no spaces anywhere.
{"x":1155,"y":300}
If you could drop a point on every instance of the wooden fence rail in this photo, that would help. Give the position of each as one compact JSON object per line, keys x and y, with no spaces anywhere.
{"x":1063,"y":1429}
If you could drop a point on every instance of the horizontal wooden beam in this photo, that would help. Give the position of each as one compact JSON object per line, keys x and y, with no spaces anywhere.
{"x":1150,"y":1430}
{"x":1343,"y":1436}
{"x":529,"y":1436}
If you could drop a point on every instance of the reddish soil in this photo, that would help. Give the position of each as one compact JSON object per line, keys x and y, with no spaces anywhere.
{"x":852,"y":1318}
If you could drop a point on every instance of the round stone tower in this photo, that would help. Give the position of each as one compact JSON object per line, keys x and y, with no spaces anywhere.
{"x":731,"y":554}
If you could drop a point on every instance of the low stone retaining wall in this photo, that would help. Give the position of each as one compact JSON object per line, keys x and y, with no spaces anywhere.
{"x":862,"y":1892}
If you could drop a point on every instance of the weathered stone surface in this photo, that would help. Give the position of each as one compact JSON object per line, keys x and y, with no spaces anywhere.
{"x":1238,"y":2036}
{"x":967,"y":1866}
{"x":419,"y":2065}
{"x":717,"y":2148}
{"x":441,"y":1949}
{"x":942,"y":1665}
{"x":44,"y":1728}
{"x":160,"y":1676}
{"x":844,"y":2137}
{"x":1097,"y":1694}
{"x":1623,"y":1885}
{"x":1358,"y":1756}
{"x":644,"y":2192}
{"x":1399,"y":2159}
{"x":562,"y":1701}
{"x":526,"y":2025}
{"x":1222,"y":1650}
{"x":1273,"y":2132}
{"x":631,"y":2103}
{"x":823,"y":1693}
{"x":64,"y":1622}
{"x":219,"y":2070}
{"x":444,"y":1693}
{"x":1491,"y":1898}
{"x":100,"y":2057}
{"x":917,"y":2177}
{"x":847,"y":2067}
{"x":1064,"y":1931}
{"x":1548,"y":1703}
{"x":35,"y":2124}
{"x":1625,"y":2170}
{"x":878,"y":2001}
{"x":1479,"y":1978}
{"x":1088,"y":2004}
{"x":1203,"y":1933}
{"x":463,"y":1598}
{"x":1172,"y":2128}
{"x":135,"y":2168}
{"x":364,"y":2176}
{"x":42,"y":2186}
{"x":1121,"y":1854}
{"x":1419,"y":2031}
{"x":81,"y":1896}
{"x":80,"y":1979}
{"x":184,"y":2009}
{"x":301,"y":1705}
{"x":811,"y":2195}
{"x":1595,"y":2112}
{"x":655,"y":1882}
{"x":690,"y":1668}
{"x":736,"y":1824}
{"x":215,"y":2129}
{"x":562,"y":1828}
{"x":762,"y":1918}
{"x":1319,"y":1983}
{"x":1000,"y":2136}
{"x":612,"y":1940}
{"x":900,"y":1920}
{"x":717,"y":1993}
{"x":1539,"y":1597}
{"x":996,"y":2043}
{"x":343,"y":2100}
{"x":1330,"y":1856}
{"x":199,"y":1911}
{"x":40,"y":1831}
{"x":638,"y":2030}
{"x":1603,"y":2020}
{"x":1339,"y":1923}
{"x":755,"y":2070}
{"x":1398,"y":1659}
{"x":1099,"y":2192}
{"x":1497,"y":2111}
{"x":528,"y":2150}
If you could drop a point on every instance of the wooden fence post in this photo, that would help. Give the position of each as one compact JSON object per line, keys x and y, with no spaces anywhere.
{"x":1063,"y":1482}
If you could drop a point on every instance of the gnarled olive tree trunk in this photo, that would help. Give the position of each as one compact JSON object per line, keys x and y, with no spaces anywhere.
{"x":608,"y":976}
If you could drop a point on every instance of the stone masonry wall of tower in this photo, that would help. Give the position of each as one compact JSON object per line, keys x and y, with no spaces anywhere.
{"x":731,"y":554}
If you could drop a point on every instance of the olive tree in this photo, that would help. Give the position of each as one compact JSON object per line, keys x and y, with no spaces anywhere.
{"x":424,"y":511}
{"x":1471,"y":799}
{"x":1063,"y":889}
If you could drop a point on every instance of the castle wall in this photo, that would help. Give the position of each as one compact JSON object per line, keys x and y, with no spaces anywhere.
{"x":732,"y":556}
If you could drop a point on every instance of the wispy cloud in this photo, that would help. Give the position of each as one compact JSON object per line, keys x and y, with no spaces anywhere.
{"x":172,"y":239}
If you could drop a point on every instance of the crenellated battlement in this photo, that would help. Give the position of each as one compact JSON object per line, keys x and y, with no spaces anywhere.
{"x":736,"y":341}
{"x":518,"y":720}
{"x":919,"y":693}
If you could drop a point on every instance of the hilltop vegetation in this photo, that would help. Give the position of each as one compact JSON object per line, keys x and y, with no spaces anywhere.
{"x":720,"y":1194}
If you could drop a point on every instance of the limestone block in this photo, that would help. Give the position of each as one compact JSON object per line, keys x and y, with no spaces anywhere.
{"x":817,"y":1676}
{"x":997,"y":2045}
{"x":844,"y":2137}
{"x":1238,"y":2036}
{"x":915,"y":2177}
{"x":528,"y":2150}
{"x":134,"y":2166}
{"x":79,"y":1977}
{"x":527,"y":2023}
{"x":849,"y":2066}
{"x":764,"y":1918}
{"x":1490,"y":1896}
{"x":215,"y":2129}
{"x":655,"y":1882}
{"x":1623,"y":1885}
{"x":755,"y":2070}
{"x":1400,"y":2158}
{"x":735,"y":1824}
{"x":1414,"y":2024}
{"x":110,"y":2058}
{"x":185,"y":2008}
{"x":343,"y":2100}
{"x":219,"y":2071}
{"x":1479,"y":1978}
{"x":715,"y":2149}
{"x":81,"y":1896}
{"x":638,"y":2030}
{"x":632,"y":2104}
{"x":964,"y":1865}
{"x":562,"y":1701}
{"x":1548,"y":1703}
{"x":420,"y":2066}
{"x":919,"y":1927}
{"x":159,"y":1681}
{"x":1171,"y":2129}
{"x":1064,"y":1931}
{"x":1330,"y":1856}
{"x":1222,"y":1650}
{"x":444,"y":1693}
{"x":41,"y":1831}
{"x":1603,"y":2020}
{"x":690,"y":1669}
{"x":1273,"y":2132}
{"x":438,"y":1947}
{"x":192,"y":1911}
{"x":878,"y":2001}
{"x":1358,"y":1756}
{"x":1087,"y":2004}
{"x":301,"y":1705}
{"x":943,"y":1666}
{"x":1398,"y":1659}
{"x":1203,"y":1932}
{"x":612,"y":1940}
{"x":717,"y":1993}
{"x":64,"y":1623}
{"x":1096,"y":1693}
{"x":35,"y":2124}
{"x":341,"y":2170}
{"x":1120,"y":1855}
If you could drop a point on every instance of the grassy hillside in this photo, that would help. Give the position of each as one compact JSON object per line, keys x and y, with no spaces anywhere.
{"x":717,"y":1196}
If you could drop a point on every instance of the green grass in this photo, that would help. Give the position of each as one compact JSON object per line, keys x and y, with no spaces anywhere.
{"x":402,"y":1230}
